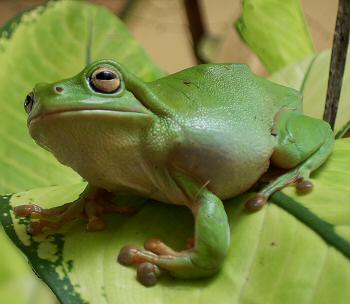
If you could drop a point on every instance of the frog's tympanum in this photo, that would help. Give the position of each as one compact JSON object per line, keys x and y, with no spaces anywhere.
{"x":193,"y":138}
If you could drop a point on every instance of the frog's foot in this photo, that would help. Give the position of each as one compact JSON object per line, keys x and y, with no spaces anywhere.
{"x":55,"y":218}
{"x":260,"y":199}
{"x":256,"y":203}
{"x":155,"y":258}
{"x":303,"y":145}
{"x":91,"y":205}
{"x":303,"y":185}
{"x":145,"y":259}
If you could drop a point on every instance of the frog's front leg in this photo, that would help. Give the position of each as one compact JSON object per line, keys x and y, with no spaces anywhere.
{"x":211,"y":242}
{"x":91,"y":204}
{"x":303,"y":144}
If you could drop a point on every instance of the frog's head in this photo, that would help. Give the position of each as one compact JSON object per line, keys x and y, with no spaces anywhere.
{"x":97,"y":102}
{"x":99,"y":87}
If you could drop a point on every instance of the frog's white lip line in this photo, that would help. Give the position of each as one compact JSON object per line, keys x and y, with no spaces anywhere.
{"x":64,"y":111}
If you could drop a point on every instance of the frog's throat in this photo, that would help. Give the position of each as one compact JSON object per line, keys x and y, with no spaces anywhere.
{"x":73,"y":111}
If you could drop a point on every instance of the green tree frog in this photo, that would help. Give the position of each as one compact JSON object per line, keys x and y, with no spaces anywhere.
{"x":193,"y":138}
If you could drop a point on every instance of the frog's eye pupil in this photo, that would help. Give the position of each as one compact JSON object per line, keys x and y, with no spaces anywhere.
{"x":28,"y":103}
{"x":105,"y":80}
{"x":106,"y":75}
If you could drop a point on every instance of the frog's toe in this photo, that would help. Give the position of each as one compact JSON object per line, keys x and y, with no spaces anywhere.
{"x":35,"y":228}
{"x":35,"y":211}
{"x":95,"y":224}
{"x":27,"y":210}
{"x":128,"y":255}
{"x":148,"y":273}
{"x":304,"y":186}
{"x":158,"y":247}
{"x":256,"y":203}
{"x":44,"y":219}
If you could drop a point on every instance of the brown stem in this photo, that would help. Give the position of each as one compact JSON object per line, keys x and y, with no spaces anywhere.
{"x":196,"y":26}
{"x":336,"y":71}
{"x":127,"y":8}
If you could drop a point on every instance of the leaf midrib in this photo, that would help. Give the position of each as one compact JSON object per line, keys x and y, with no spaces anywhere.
{"x":324,"y":229}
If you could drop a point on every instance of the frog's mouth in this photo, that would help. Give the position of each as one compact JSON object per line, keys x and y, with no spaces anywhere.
{"x":83,"y":111}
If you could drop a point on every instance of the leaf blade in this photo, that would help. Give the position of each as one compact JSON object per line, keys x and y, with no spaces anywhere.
{"x":276,"y":31}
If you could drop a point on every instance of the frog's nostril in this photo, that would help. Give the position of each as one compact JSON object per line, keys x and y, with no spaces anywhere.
{"x":59,"y":89}
{"x":28,"y":103}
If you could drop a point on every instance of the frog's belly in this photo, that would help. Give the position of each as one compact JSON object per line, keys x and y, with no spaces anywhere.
{"x":113,"y":167}
{"x":119,"y":177}
{"x":229,"y":166}
{"x":128,"y":173}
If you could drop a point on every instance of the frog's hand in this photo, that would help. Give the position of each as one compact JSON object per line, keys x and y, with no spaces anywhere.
{"x":91,"y":204}
{"x":303,"y":144}
{"x":212,"y":239}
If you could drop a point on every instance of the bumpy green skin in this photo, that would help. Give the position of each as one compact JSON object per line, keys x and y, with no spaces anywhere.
{"x":192,"y":138}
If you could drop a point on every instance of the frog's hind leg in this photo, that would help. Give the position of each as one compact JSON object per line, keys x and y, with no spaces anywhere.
{"x":90,"y":205}
{"x":303,"y":144}
{"x":211,"y":242}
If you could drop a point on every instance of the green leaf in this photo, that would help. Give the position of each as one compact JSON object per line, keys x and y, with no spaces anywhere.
{"x":276,"y":31}
{"x":294,"y":251}
{"x":330,"y":200}
{"x":311,"y":77}
{"x":35,"y":49}
{"x":14,"y":274}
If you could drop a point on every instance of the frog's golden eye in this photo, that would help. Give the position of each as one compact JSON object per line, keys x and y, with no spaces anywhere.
{"x":105,"y":80}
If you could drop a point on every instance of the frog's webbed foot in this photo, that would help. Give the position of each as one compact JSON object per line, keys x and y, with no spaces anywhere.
{"x":303,"y":185}
{"x":91,"y":205}
{"x":260,"y":199}
{"x":304,"y":144}
{"x":205,"y":254}
{"x":151,"y":260}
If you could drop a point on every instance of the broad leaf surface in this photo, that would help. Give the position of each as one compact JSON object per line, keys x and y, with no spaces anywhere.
{"x":14,"y":274}
{"x":43,"y":45}
{"x":294,"y":251}
{"x":276,"y":31}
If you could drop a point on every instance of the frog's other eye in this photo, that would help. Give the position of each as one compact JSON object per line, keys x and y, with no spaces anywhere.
{"x":29,"y":102}
{"x":105,"y":80}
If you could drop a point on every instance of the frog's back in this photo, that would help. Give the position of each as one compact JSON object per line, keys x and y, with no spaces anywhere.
{"x":226,"y":115}
{"x":230,"y":86}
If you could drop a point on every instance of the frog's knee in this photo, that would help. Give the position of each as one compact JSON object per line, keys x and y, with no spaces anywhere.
{"x":297,"y":138}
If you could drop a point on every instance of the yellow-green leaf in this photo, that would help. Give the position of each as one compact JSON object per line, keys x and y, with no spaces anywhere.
{"x":276,"y":31}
